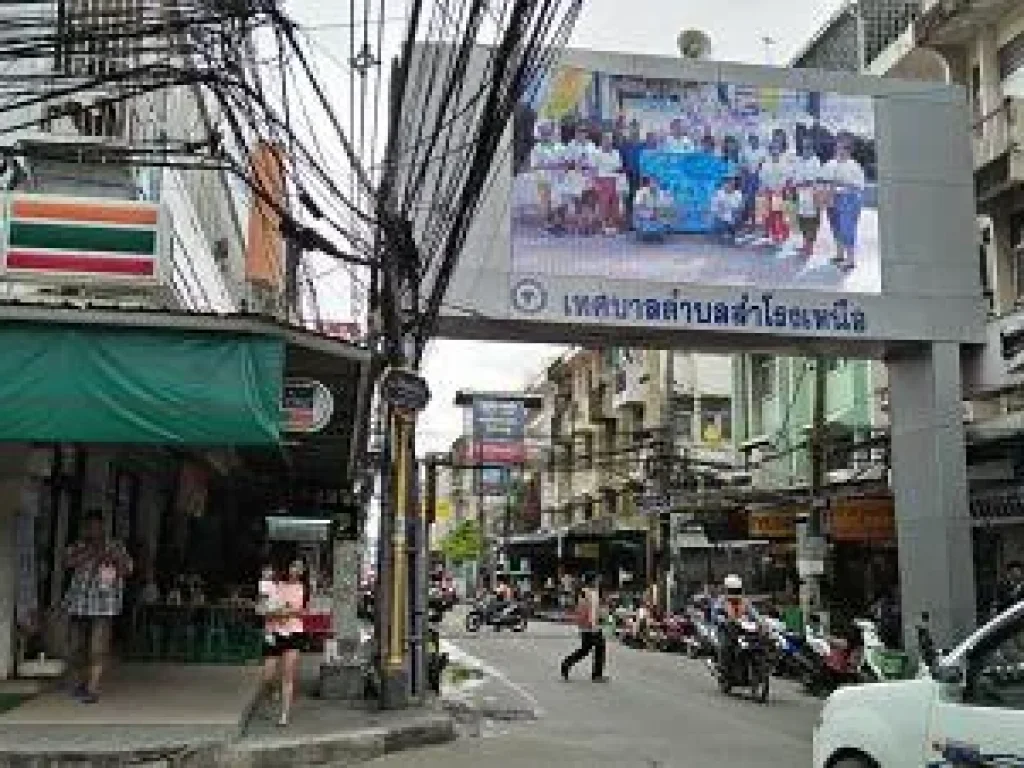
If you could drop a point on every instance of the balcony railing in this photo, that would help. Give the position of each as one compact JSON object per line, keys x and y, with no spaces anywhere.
{"x":997,"y":132}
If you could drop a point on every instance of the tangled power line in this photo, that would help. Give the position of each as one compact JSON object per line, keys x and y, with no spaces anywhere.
{"x":386,"y":190}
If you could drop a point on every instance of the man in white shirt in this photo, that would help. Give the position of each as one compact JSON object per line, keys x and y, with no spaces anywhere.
{"x":751,"y":160}
{"x":846,"y":181}
{"x":589,"y":617}
{"x":726,"y":209}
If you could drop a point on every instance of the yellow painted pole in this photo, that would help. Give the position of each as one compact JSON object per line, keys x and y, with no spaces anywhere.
{"x":401,"y":423}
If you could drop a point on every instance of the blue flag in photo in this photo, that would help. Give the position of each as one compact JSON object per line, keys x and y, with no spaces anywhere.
{"x":692,"y":179}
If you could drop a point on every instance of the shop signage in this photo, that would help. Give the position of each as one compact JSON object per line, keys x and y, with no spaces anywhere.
{"x":306,"y":406}
{"x":499,"y":427}
{"x":862,"y":520}
{"x":56,"y":239}
{"x":404,"y":389}
{"x":772,"y":524}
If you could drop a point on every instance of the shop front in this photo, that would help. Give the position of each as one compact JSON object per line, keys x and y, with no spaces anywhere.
{"x":863,"y":563}
{"x":171,"y":426}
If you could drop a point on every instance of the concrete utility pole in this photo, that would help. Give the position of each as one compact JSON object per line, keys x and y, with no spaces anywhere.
{"x":811,"y":542}
{"x":667,"y":463}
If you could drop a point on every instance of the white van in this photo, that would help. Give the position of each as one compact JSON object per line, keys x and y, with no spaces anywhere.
{"x":968,"y":712}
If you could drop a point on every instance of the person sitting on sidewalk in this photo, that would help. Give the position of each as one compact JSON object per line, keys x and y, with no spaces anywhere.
{"x":94,"y":598}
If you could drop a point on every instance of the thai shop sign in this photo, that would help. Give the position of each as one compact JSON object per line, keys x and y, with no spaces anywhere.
{"x":56,"y":239}
{"x":498,"y":429}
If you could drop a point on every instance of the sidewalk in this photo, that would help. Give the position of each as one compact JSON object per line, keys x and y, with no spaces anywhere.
{"x":192,"y":716}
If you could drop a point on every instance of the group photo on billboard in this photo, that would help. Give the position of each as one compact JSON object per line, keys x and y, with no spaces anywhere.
{"x":656,"y":179}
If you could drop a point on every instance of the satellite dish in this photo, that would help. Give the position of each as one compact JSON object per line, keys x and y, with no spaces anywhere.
{"x":693,"y":44}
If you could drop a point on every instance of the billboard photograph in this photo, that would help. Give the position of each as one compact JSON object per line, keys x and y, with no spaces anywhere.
{"x":705,"y":183}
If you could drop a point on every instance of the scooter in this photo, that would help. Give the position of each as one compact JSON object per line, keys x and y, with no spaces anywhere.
{"x":497,"y":615}
{"x":827,"y":664}
{"x":790,"y":661}
{"x":751,"y":664}
{"x":675,"y":630}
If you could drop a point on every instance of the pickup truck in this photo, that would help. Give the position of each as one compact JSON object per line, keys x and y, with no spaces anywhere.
{"x":968,"y":710}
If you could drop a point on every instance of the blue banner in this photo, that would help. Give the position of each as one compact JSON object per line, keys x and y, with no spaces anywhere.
{"x":692,"y":178}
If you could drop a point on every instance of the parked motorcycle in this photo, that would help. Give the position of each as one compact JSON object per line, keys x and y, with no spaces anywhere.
{"x":751,"y":663}
{"x":704,"y":639}
{"x":675,"y":629}
{"x":497,"y":615}
{"x":791,"y":650}
{"x":829,"y":663}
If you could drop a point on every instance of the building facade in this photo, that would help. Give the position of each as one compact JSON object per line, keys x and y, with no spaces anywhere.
{"x":980,"y":46}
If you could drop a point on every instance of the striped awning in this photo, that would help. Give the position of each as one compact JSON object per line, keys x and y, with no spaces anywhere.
{"x":53,"y":238}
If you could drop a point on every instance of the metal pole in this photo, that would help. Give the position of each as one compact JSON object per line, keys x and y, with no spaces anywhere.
{"x":420,"y":575}
{"x":810,"y":597}
{"x":395,"y":686}
{"x":481,"y":521}
{"x":382,"y":588}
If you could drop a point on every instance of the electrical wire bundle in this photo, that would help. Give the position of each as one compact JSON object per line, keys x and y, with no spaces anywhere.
{"x":109,"y":66}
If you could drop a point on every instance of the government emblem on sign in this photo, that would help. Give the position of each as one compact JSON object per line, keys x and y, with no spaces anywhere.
{"x":529,"y":296}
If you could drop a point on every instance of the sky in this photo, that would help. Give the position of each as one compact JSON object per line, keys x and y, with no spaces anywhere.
{"x":737,"y":29}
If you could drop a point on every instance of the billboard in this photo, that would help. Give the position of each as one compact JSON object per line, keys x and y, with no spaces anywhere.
{"x":715,"y":183}
{"x":498,"y":431}
{"x":666,"y":202}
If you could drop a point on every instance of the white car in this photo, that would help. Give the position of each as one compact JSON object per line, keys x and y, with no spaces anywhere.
{"x":968,"y":712}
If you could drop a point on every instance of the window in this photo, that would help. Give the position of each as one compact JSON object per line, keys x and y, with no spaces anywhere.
{"x":995,"y":672}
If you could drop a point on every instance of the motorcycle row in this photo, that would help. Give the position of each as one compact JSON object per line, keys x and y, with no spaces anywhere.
{"x":759,"y":650}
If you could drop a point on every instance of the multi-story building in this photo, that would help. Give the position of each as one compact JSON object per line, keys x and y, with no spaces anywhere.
{"x":856,"y":34}
{"x":979,"y":44}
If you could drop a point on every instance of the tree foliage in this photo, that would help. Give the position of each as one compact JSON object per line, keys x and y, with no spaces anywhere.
{"x":463,"y":543}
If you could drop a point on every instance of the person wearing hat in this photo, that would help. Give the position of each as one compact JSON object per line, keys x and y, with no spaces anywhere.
{"x":846,"y":181}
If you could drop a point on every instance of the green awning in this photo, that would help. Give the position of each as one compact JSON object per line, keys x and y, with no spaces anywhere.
{"x":98,"y":384}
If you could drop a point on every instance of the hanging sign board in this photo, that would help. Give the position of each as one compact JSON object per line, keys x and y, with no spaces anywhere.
{"x":404,"y":389}
{"x":306,"y":406}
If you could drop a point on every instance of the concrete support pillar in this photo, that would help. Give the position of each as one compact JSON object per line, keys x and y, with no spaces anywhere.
{"x":929,"y":474}
{"x":13,"y":467}
{"x":345,"y":592}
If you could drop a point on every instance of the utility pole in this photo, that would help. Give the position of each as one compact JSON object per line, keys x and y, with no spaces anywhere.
{"x":667,"y":463}
{"x":811,"y":543}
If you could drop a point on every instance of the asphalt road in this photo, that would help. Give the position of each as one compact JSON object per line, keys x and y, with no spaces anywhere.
{"x":658,"y":710}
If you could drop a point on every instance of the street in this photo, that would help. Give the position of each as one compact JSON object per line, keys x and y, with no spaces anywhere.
{"x":658,"y":709}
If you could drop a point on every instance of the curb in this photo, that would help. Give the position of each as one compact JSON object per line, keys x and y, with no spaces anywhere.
{"x":338,"y":749}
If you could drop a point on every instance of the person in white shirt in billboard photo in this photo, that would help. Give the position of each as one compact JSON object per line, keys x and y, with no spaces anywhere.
{"x":581,"y":166}
{"x":727,"y":209}
{"x":653,"y":209}
{"x":752,"y":158}
{"x":775,"y":182}
{"x":807,"y":173}
{"x":547,"y":164}
{"x":610,"y":183}
{"x":846,"y":181}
